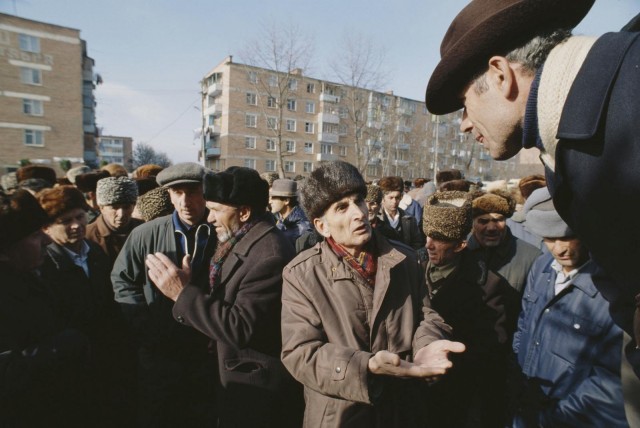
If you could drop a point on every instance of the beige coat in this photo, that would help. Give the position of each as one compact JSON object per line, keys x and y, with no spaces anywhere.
{"x":332,"y":324}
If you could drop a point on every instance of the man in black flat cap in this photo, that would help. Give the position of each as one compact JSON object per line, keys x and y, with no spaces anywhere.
{"x":239,"y":308}
{"x":525,"y":82}
{"x":174,"y":365}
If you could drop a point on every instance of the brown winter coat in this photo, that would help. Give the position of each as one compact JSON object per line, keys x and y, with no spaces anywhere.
{"x":110,"y":241}
{"x":333,"y":323}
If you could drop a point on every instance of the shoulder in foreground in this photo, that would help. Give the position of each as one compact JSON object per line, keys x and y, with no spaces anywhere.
{"x":305,"y":255}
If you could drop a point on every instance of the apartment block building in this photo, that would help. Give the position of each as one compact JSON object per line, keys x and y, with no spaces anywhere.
{"x":47,"y":103}
{"x":118,"y":150}
{"x":269,"y":121}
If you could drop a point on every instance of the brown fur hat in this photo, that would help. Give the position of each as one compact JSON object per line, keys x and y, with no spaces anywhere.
{"x":61,"y":199}
{"x":36,"y":171}
{"x":495,"y":202}
{"x":530,"y":183}
{"x":460,"y":185}
{"x":328,"y":183}
{"x":88,"y":182}
{"x":447,"y":216}
{"x":146,"y":171}
{"x":391,"y":184}
{"x":374,"y":194}
{"x":115,"y":170}
{"x":155,"y":203}
{"x":20,"y":216}
{"x":445,"y":175}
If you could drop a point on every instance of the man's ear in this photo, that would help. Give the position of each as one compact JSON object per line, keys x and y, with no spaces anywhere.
{"x":461,"y":246}
{"x":501,"y":74}
{"x":244,"y":212}
{"x":321,"y":227}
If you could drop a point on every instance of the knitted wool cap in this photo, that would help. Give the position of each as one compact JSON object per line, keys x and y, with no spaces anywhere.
{"x":20,"y":216}
{"x":543,"y":219}
{"x":61,"y":199}
{"x":447,"y":216}
{"x":89,"y":181}
{"x":155,"y":203}
{"x":36,"y":171}
{"x":374,"y":194}
{"x":329,"y":183}
{"x":74,"y":172}
{"x":497,"y":202}
{"x":116,"y":190}
{"x":391,"y":184}
{"x":237,"y":186}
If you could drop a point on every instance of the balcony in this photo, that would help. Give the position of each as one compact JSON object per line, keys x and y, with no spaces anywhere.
{"x":328,"y":118}
{"x":327,"y":137}
{"x":375,"y":161}
{"x":213,"y":129}
{"x":213,"y":152}
{"x":325,"y":97}
{"x":399,"y":162}
{"x":403,"y":128}
{"x":376,"y":124}
{"x":374,"y":144}
{"x":326,"y":157}
{"x":214,"y":110}
{"x":402,"y":146}
{"x":214,"y":90}
{"x":404,"y":111}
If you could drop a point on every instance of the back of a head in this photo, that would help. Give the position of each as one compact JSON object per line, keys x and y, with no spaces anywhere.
{"x":37,"y":171}
{"x":445,"y":175}
{"x":329,"y":183}
{"x":20,"y":216}
{"x":147,"y":171}
{"x":115,"y":170}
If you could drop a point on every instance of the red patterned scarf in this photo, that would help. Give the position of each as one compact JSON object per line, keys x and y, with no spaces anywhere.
{"x":222,"y":251}
{"x":365,"y":263}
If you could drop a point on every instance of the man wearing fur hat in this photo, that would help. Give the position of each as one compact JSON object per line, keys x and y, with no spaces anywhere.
{"x":42,"y":362}
{"x":175,"y":368}
{"x":239,"y":307}
{"x":492,"y":242}
{"x":283,"y":201}
{"x":524,"y":81}
{"x":481,"y":308}
{"x":87,"y":183}
{"x":357,"y":329}
{"x":116,"y":198}
{"x":567,"y":345}
{"x":78,"y":273}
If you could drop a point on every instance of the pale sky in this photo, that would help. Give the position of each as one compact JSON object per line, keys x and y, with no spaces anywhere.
{"x":151,"y":54}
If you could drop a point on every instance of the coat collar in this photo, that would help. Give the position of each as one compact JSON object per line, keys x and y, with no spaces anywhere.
{"x":583,"y":280}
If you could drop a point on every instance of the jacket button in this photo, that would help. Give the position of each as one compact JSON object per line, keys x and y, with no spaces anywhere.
{"x":576,"y":326}
{"x":338,"y":369}
{"x":546,"y":311}
{"x":180,"y":319}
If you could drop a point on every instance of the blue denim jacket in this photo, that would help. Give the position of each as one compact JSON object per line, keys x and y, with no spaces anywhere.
{"x":569,"y":346}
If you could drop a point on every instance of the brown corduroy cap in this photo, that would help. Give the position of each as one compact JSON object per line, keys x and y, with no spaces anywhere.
{"x":447,"y":216}
{"x":496,"y":202}
{"x":492,"y":27}
{"x":61,"y":199}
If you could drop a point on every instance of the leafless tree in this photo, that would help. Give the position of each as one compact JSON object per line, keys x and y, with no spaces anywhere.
{"x":284,"y":49}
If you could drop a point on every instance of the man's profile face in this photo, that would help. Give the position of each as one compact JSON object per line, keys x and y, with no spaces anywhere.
{"x":492,"y":118}
{"x":188,"y":201}
{"x":489,"y":229}
{"x":225,"y":219}
{"x":346,"y":222}
{"x":277,"y":204}
{"x":117,"y":216}
{"x":373,"y":208}
{"x":442,"y":252}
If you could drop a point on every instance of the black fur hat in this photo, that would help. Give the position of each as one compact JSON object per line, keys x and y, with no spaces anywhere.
{"x":329,"y":183}
{"x":20,"y":216}
{"x":237,"y":186}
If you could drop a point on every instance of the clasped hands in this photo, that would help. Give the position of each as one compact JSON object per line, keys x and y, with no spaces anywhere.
{"x":429,"y":364}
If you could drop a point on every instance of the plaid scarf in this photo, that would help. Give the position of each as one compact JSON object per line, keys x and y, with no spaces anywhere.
{"x":365,"y":263}
{"x":222,"y":251}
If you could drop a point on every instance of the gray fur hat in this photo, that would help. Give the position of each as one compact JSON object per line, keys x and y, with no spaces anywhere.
{"x":181,"y":173}
{"x":155,"y":203}
{"x":116,"y":190}
{"x":329,"y":183}
{"x":543,"y":219}
{"x":447,"y":216}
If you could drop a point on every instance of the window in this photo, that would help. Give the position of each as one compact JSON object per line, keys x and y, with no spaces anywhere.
{"x":250,"y":120}
{"x":252,"y":76}
{"x":32,"y":107}
{"x":29,"y":43}
{"x":291,"y":125}
{"x":343,"y":150}
{"x":33,"y":137}
{"x":252,"y":99}
{"x":270,"y":165}
{"x":311,"y":107}
{"x":289,"y":166}
{"x":250,"y":163}
{"x":30,"y":76}
{"x":291,"y":104}
{"x":343,"y":129}
{"x":343,"y":112}
{"x":290,"y":146}
{"x":308,"y":148}
{"x":292,"y":84}
{"x":249,"y":142}
{"x":271,"y":145}
{"x":309,"y":127}
{"x":311,"y":88}
{"x":271,"y":102}
{"x":372,"y":170}
{"x":273,"y":80}
{"x":272,"y":122}
{"x":326,"y":149}
{"x":307,"y":167}
{"x":212,"y":119}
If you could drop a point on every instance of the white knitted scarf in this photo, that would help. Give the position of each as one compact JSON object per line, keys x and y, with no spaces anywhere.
{"x":560,"y":70}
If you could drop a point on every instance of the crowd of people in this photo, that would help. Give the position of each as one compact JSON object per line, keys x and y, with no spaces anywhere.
{"x":182,"y":296}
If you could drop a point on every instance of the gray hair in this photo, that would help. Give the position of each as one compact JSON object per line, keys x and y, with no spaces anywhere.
{"x":530,"y":55}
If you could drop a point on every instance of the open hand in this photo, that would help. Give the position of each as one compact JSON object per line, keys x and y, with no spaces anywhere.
{"x":169,"y":279}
